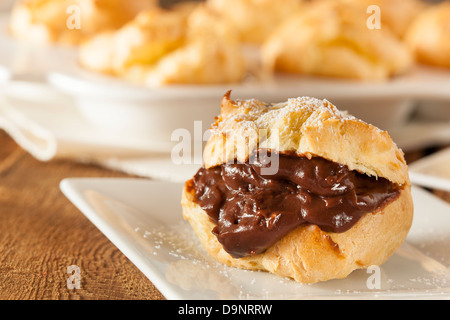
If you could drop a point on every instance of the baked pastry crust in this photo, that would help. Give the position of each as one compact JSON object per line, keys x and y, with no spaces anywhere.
{"x":329,"y":31}
{"x":429,"y":36}
{"x":309,"y":127}
{"x":45,"y":21}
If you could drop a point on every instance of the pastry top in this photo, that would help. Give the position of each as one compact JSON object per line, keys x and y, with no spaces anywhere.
{"x":329,"y":31}
{"x":188,"y":43}
{"x":306,"y":126}
{"x":46,"y":21}
{"x":255,"y":19}
{"x":429,"y":35}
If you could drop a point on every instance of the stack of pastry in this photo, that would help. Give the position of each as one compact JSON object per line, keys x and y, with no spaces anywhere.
{"x":208,"y":42}
{"x":144,"y":40}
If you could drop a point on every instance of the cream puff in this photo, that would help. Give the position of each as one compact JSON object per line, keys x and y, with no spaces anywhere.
{"x":71,"y":21}
{"x":299,"y":189}
{"x":331,"y":38}
{"x":429,"y":35}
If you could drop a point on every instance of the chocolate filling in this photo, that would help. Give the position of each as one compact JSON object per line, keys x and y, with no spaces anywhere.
{"x":253,"y":210}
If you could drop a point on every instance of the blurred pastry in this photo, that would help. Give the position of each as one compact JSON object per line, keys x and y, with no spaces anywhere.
{"x":331,"y":38}
{"x":255,"y":19}
{"x":144,"y":40}
{"x":299,"y":189}
{"x":184,"y":44}
{"x":397,"y":15}
{"x":429,"y":35}
{"x":212,"y":54}
{"x":71,"y":21}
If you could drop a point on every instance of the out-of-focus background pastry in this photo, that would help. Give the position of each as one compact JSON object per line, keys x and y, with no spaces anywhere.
{"x":255,"y":20}
{"x":188,"y":43}
{"x":397,"y":15}
{"x":45,"y":21}
{"x":228,"y":41}
{"x":429,"y":35}
{"x":143,"y":40}
{"x":332,"y":39}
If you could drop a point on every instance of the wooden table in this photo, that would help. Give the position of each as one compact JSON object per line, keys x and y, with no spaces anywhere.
{"x":42,"y":234}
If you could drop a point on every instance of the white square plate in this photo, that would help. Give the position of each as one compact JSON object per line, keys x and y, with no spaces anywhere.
{"x":144,"y":220}
{"x":432,"y":171}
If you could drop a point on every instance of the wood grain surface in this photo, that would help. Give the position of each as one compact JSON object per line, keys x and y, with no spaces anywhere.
{"x":42,"y":234}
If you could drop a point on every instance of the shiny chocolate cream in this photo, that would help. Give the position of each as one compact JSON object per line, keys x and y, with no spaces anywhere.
{"x":253,"y":210}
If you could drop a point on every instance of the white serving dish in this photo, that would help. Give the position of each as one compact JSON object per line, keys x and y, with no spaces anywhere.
{"x":144,"y":220}
{"x":124,"y":109}
{"x":30,"y":61}
{"x":432,"y":171}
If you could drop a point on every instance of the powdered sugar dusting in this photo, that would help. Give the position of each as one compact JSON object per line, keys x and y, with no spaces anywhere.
{"x":254,"y":114}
